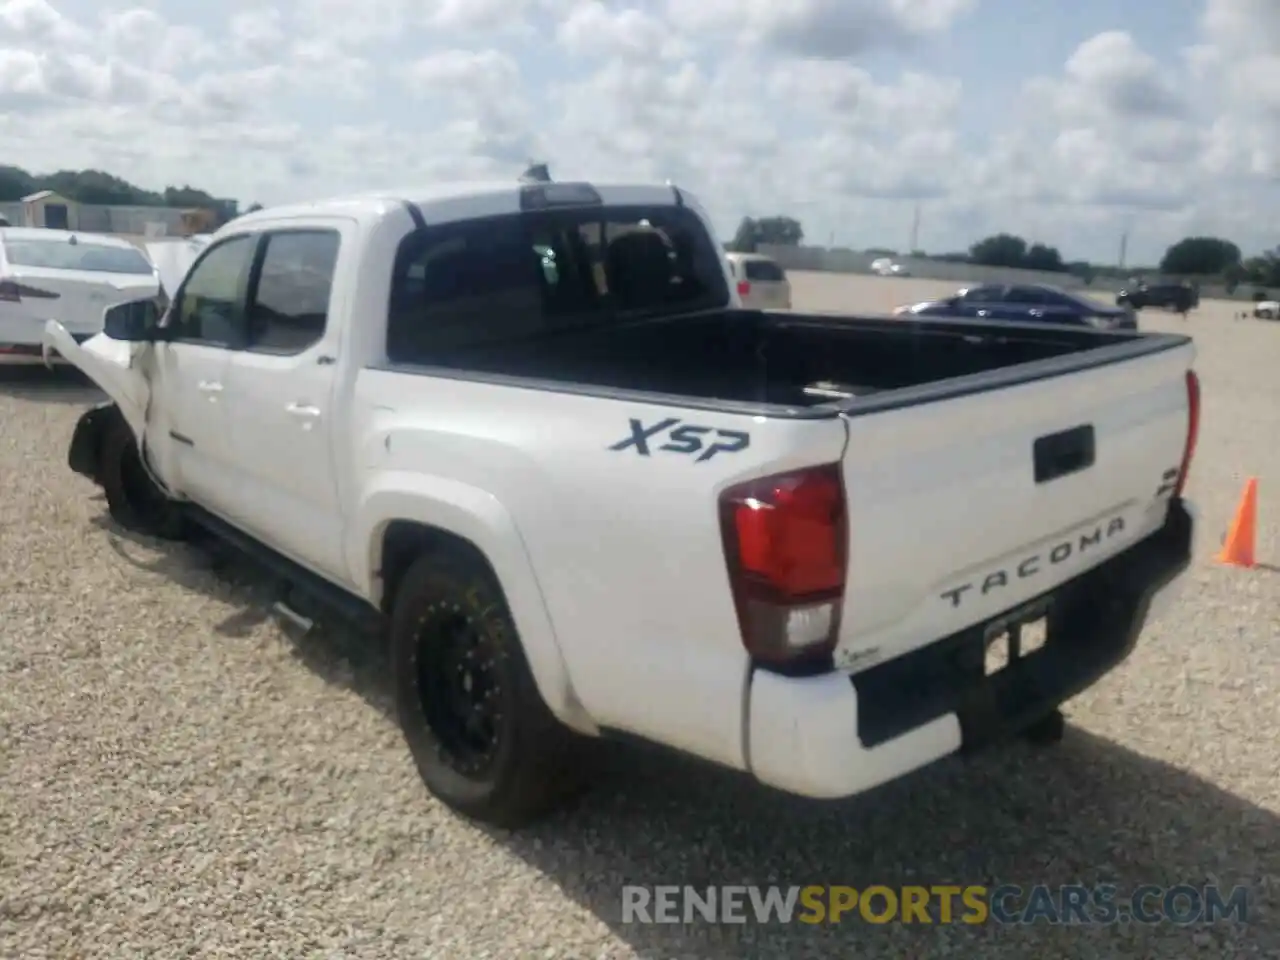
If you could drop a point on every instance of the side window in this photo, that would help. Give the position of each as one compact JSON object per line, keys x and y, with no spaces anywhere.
{"x":210,"y":306}
{"x":1026,"y":296}
{"x":1061,"y":301}
{"x":289,"y":303}
{"x":984,"y":295}
{"x":466,"y":284}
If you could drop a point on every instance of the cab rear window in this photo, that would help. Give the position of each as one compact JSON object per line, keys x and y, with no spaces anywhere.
{"x":522,"y":277}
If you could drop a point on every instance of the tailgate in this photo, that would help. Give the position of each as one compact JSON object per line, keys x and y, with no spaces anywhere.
{"x":948,"y":523}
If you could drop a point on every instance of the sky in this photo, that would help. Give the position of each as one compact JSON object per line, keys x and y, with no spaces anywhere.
{"x":1070,"y":124}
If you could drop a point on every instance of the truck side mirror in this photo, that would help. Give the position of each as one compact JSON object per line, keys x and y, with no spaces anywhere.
{"x":137,"y":321}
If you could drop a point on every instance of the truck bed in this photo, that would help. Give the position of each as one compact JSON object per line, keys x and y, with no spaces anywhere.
{"x":801,"y":364}
{"x":1009,"y":458}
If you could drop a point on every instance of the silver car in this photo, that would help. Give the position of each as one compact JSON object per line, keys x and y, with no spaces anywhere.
{"x":761,"y":281}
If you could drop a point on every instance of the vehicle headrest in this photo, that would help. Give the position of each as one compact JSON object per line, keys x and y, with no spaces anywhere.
{"x":638,"y":268}
{"x":445,"y":276}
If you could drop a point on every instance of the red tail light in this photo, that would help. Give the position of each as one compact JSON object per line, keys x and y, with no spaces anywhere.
{"x":744,"y":287}
{"x":1193,"y":430}
{"x":11,"y":292}
{"x":786,"y":545}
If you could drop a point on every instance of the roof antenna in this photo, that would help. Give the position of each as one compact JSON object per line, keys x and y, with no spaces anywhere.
{"x":536,"y":173}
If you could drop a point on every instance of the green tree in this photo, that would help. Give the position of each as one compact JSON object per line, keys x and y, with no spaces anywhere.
{"x":744,"y":238}
{"x":780,"y":231}
{"x":1001,"y":250}
{"x":1041,"y":257}
{"x":1008,"y":250}
{"x":1082,"y":269}
{"x":100,"y":187}
{"x":1263,"y":270}
{"x":97,"y":187}
{"x":15,"y":183}
{"x":1200,"y":256}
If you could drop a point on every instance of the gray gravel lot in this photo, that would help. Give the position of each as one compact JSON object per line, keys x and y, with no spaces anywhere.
{"x":181,"y":777}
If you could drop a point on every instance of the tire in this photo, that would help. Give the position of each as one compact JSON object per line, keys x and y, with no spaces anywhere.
{"x":449,"y":611}
{"x":133,"y":499}
{"x":1048,"y":730}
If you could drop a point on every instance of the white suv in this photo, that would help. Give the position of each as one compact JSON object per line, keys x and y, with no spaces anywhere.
{"x":762,"y":283}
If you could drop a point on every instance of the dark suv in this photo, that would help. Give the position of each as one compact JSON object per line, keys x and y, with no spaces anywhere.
{"x":1182,"y":297}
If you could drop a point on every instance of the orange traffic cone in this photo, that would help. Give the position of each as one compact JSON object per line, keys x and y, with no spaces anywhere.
{"x":1237,"y":549}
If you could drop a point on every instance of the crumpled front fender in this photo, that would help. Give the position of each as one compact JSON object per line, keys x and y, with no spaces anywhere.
{"x":112,"y":364}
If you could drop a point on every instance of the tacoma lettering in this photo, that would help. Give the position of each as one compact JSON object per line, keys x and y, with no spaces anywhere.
{"x":1036,"y":563}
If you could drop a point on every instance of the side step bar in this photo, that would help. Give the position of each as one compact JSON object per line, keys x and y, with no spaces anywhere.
{"x":293,"y":616}
{"x":354,"y":610}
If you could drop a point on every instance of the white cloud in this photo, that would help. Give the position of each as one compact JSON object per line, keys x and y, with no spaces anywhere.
{"x":845,"y":112}
{"x":38,"y":22}
{"x":593,"y":30}
{"x":821,"y":28}
{"x":1240,"y":62}
{"x":360,"y":24}
{"x":257,"y":34}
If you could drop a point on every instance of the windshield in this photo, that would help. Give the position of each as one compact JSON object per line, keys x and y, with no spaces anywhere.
{"x":81,"y":255}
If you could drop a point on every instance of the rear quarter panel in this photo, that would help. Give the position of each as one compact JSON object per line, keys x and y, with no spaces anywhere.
{"x":620,"y":536}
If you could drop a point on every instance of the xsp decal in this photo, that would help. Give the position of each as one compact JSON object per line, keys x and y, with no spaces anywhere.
{"x":688,"y":439}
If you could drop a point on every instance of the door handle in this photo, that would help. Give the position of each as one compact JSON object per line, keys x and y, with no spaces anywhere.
{"x":984,"y":313}
{"x":303,"y":411}
{"x":210,"y":386}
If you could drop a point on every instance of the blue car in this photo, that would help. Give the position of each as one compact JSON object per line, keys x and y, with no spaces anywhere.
{"x":1025,"y":303}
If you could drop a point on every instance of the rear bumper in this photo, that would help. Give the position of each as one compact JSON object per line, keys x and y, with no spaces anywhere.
{"x":31,"y":351}
{"x":835,"y":736}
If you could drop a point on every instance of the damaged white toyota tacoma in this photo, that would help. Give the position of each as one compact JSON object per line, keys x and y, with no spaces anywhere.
{"x":528,"y":432}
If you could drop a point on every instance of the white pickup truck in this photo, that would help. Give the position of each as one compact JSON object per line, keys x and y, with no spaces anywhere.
{"x":528,"y":431}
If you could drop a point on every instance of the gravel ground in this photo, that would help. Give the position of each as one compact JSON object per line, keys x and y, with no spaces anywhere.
{"x":179,"y":776}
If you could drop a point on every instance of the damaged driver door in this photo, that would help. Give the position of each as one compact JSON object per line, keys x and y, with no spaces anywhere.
{"x":204,"y":324}
{"x":172,"y":391}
